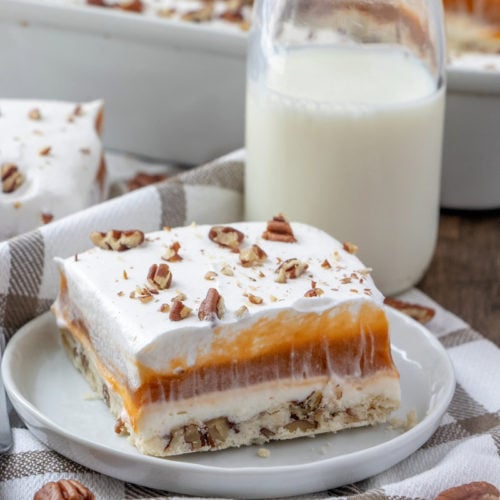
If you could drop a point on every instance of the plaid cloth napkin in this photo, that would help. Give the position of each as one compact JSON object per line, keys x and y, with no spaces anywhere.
{"x":465,"y":448}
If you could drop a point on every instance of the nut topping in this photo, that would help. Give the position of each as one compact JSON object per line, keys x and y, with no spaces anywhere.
{"x":226,"y":270}
{"x":314,"y":292}
{"x":45,"y":151}
{"x":210,"y":275}
{"x":212,"y":306}
{"x":226,"y":236}
{"x":117,"y":240}
{"x":253,"y":256}
{"x":199,"y":15}
{"x":179,"y":311}
{"x":254,"y":299}
{"x":11,"y":177}
{"x":160,"y":276}
{"x":172,"y":253}
{"x":46,"y":217}
{"x":35,"y":114}
{"x":326,"y":265}
{"x":478,"y":490}
{"x":64,"y":489}
{"x":350,"y":247}
{"x":290,"y":269}
{"x":279,"y":229}
{"x":420,"y":313}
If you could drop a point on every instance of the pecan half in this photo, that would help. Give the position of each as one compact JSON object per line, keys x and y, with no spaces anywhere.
{"x":11,"y":177}
{"x":290,"y":269}
{"x":478,"y":490}
{"x":253,"y":256}
{"x":212,"y":306}
{"x":226,"y":236}
{"x":420,"y":313}
{"x":279,"y":229}
{"x":179,"y":311}
{"x":117,"y":240}
{"x":64,"y":489}
{"x":160,"y":276}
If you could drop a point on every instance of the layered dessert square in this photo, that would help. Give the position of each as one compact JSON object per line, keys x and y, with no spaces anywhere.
{"x":51,"y":161}
{"x":208,"y":337}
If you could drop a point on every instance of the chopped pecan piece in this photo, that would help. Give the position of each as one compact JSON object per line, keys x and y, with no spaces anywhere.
{"x":11,"y":177}
{"x":179,"y":311}
{"x":64,"y":489}
{"x":254,"y":299}
{"x":420,"y":313}
{"x":212,"y":306}
{"x":350,"y":247}
{"x":226,"y":236}
{"x":314,"y":292}
{"x":218,"y":430}
{"x":142,"y":179}
{"x":478,"y":490}
{"x":226,"y":270}
{"x":120,"y":427}
{"x":45,"y":151}
{"x":126,"y":5}
{"x":172,"y":253}
{"x":117,"y":240}
{"x":241,"y":311}
{"x":205,"y":13}
{"x":279,"y":229}
{"x":195,"y":436}
{"x":326,"y":265}
{"x":46,"y":217}
{"x":210,"y":275}
{"x":300,"y":425}
{"x":160,"y":276}
{"x":35,"y":114}
{"x":290,"y":269}
{"x":253,"y":256}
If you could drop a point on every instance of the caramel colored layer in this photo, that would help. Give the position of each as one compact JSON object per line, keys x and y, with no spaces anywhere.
{"x":486,"y":10}
{"x":288,"y":346}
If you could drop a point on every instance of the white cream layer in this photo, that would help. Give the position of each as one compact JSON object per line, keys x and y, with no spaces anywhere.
{"x":338,"y":394}
{"x":125,"y":331}
{"x":55,"y":184}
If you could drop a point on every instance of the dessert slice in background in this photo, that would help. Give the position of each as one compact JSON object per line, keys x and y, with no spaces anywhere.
{"x":51,"y":161}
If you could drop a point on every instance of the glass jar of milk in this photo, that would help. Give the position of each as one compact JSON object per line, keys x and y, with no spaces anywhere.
{"x":344,"y":125}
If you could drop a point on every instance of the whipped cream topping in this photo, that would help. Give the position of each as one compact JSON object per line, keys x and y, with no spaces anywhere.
{"x":56,"y":149}
{"x":125,"y":330}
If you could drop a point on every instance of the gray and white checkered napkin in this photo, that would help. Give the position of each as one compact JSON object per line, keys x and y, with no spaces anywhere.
{"x":465,"y":448}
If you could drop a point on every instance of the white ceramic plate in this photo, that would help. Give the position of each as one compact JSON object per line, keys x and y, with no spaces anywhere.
{"x":50,"y":396}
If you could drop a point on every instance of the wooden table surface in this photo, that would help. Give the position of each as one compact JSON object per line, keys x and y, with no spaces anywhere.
{"x":464,"y":276}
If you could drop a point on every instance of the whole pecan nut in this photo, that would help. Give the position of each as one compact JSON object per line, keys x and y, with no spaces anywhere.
{"x":117,"y":240}
{"x":226,"y":236}
{"x":64,"y":489}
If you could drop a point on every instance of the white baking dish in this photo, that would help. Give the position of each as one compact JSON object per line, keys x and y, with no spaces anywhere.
{"x":173,"y":90}
{"x":471,"y":158}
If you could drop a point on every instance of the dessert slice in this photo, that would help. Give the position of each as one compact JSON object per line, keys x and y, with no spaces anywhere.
{"x":51,"y":161}
{"x":203,"y":338}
